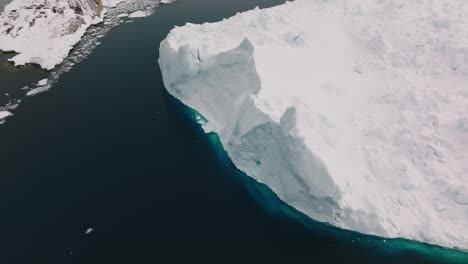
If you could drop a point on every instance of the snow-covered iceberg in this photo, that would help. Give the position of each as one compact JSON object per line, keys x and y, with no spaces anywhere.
{"x":354,"y":112}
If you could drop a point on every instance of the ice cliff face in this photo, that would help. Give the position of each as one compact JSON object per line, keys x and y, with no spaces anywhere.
{"x":44,"y":31}
{"x":353,"y":112}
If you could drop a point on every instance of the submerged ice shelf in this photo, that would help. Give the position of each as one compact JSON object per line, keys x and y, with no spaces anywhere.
{"x":353,"y":112}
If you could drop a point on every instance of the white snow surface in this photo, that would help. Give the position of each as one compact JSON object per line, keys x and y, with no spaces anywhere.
{"x":354,"y":112}
{"x":44,"y":31}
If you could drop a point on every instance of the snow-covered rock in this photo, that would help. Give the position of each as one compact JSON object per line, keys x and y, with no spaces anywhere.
{"x":354,"y":112}
{"x":44,"y":31}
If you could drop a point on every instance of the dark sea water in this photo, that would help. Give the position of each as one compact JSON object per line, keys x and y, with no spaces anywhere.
{"x":107,"y":148}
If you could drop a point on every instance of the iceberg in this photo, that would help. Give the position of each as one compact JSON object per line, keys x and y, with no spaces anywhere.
{"x":43,"y":32}
{"x":353,"y":112}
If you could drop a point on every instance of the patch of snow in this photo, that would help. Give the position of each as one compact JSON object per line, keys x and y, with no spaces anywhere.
{"x":89,"y":231}
{"x":353,"y":112}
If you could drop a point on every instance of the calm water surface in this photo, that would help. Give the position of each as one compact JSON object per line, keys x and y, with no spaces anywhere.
{"x":108,"y":149}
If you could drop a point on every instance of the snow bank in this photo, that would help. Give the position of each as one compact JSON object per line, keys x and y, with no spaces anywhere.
{"x":354,"y":112}
{"x":43,"y":32}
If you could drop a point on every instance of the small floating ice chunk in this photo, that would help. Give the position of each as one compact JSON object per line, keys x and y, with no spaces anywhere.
{"x":441,"y":23}
{"x":123,"y":15}
{"x":11,"y":107}
{"x":4,"y":114}
{"x":38,"y":90}
{"x":137,"y":14}
{"x":42,"y":82}
{"x":89,"y":231}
